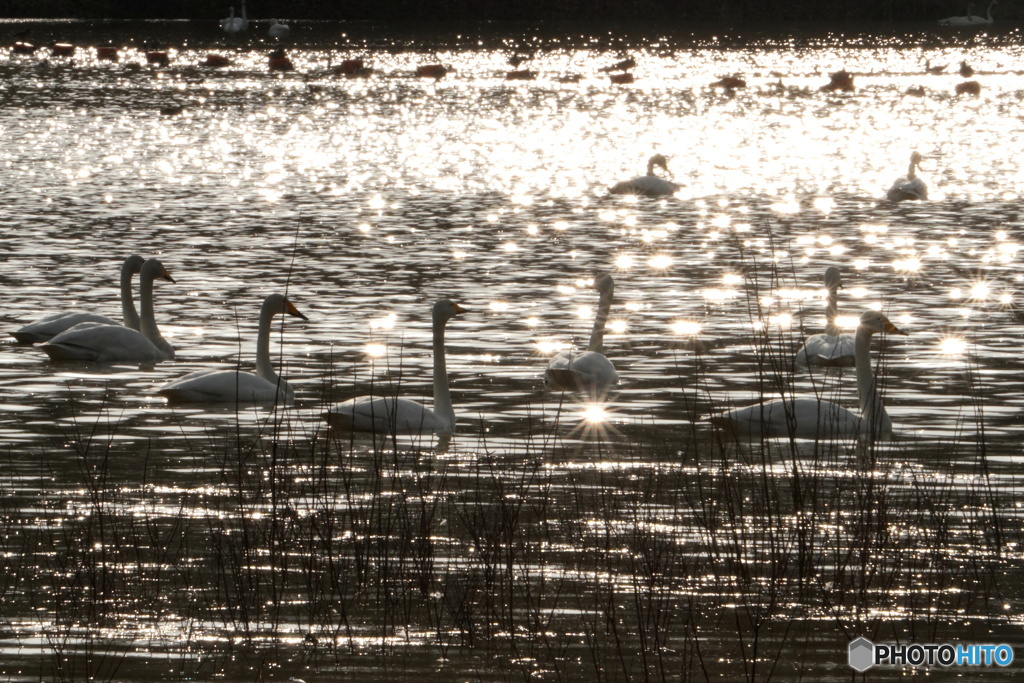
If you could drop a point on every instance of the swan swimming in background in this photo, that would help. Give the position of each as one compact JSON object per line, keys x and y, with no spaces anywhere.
{"x":235,"y":386}
{"x":910,"y":187}
{"x":278,"y":30}
{"x":590,"y":372}
{"x":831,"y":348}
{"x":648,"y":185}
{"x":50,"y":326}
{"x":397,"y":415}
{"x":810,"y":418}
{"x":233,"y":24}
{"x":114,"y":343}
{"x":971,"y":20}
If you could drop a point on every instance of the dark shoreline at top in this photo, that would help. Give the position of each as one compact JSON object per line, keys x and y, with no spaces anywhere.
{"x":744,"y":13}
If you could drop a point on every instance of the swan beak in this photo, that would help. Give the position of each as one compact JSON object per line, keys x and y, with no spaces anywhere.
{"x":459,"y":309}
{"x":290,"y":309}
{"x":892,"y":329}
{"x":167,"y":276}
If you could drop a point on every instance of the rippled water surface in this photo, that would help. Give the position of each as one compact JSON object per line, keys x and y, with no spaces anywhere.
{"x":366,"y":199}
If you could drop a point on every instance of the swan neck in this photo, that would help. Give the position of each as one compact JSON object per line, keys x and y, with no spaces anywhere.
{"x":264,"y":368}
{"x":600,"y":320}
{"x":442,"y":396}
{"x":128,"y":313}
{"x":832,"y":311}
{"x":912,"y":171}
{"x":871,"y":407}
{"x":148,"y":318}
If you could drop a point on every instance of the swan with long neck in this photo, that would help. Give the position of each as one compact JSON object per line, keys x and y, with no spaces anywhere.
{"x":590,"y":372}
{"x":811,"y":418}
{"x":648,"y":185}
{"x":399,"y":415}
{"x":235,"y":386}
{"x":103,"y":343}
{"x":909,"y":187}
{"x":831,"y":348}
{"x":50,"y":326}
{"x":233,"y":24}
{"x":971,"y":19}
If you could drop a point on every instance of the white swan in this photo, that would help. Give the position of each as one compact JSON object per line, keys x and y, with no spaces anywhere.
{"x":648,"y":185}
{"x":831,"y":348}
{"x":971,"y":20}
{"x":590,"y":372}
{"x":114,"y":343}
{"x":910,"y":187}
{"x":810,"y":418}
{"x":235,"y":386}
{"x":50,"y":326}
{"x":233,"y":24}
{"x":395,"y":415}
{"x":278,"y":30}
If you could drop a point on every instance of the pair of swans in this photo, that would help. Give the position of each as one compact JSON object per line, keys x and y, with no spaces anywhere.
{"x":235,"y":386}
{"x":112,"y":343}
{"x":399,"y":415}
{"x":909,"y":187}
{"x":50,"y":326}
{"x":831,"y":348}
{"x":589,"y":372}
{"x":649,"y":185}
{"x":969,"y":19}
{"x":811,"y":418}
{"x":233,"y":24}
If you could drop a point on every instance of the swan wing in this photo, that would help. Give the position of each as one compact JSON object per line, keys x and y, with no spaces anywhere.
{"x":907,"y":189}
{"x":386,"y":415}
{"x":646,"y":185}
{"x":50,"y":326}
{"x":225,"y":386}
{"x":802,"y":418}
{"x":104,"y":344}
{"x":827,"y":349}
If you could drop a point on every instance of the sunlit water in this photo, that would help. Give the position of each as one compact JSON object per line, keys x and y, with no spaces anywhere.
{"x":367,"y":199}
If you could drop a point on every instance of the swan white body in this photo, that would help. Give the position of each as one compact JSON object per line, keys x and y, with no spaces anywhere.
{"x":648,"y":185}
{"x":278,"y":30}
{"x":233,"y":24}
{"x":235,"y":386}
{"x":589,"y":372}
{"x":398,"y":415}
{"x":910,"y":187}
{"x":114,"y":343}
{"x":831,"y":348}
{"x":970,"y":20}
{"x":50,"y":326}
{"x":810,"y":418}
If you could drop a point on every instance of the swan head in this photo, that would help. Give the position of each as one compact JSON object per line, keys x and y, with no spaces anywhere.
{"x":154,"y":270}
{"x":833,"y":279}
{"x":604,"y":283}
{"x":277,"y":303}
{"x":657,"y":161}
{"x":916,"y":158}
{"x":875,"y":322}
{"x":133,"y":264}
{"x":446,"y":309}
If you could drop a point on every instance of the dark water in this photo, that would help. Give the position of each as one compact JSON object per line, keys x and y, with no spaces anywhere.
{"x":200,"y":542}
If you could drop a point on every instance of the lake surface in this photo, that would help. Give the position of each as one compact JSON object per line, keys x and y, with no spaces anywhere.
{"x":541,"y":542}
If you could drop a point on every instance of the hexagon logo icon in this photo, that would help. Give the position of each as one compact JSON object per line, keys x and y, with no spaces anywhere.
{"x":862,"y":654}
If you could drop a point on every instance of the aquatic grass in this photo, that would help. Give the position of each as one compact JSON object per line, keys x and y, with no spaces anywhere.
{"x":644,"y":553}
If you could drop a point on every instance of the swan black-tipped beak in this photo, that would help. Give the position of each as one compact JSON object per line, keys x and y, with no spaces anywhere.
{"x":291,"y":310}
{"x":167,"y":276}
{"x":460,"y":309}
{"x":892,"y":329}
